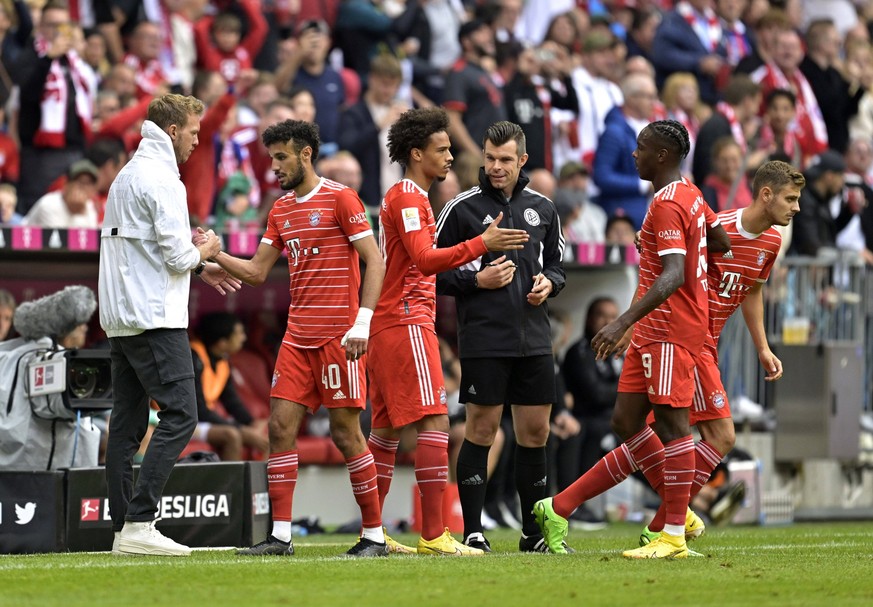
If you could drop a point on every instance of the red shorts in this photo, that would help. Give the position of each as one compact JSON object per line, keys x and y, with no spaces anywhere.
{"x":710,"y":399}
{"x":662,"y":371}
{"x":322,"y":376}
{"x":406,"y":376}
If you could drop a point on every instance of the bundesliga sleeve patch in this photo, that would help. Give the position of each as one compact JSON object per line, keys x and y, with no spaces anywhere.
{"x":411,"y":220}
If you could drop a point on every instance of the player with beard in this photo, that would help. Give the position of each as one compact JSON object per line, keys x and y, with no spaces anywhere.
{"x":323,"y":227}
{"x":407,"y":386}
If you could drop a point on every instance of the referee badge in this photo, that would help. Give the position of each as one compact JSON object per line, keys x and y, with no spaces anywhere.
{"x":532,"y":217}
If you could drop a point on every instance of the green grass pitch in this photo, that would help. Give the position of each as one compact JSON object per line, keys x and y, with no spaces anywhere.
{"x":803,"y":564}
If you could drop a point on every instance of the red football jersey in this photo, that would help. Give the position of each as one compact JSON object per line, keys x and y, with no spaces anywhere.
{"x":675,"y":223}
{"x":732,"y":274}
{"x":407,"y":239}
{"x":318,"y":231}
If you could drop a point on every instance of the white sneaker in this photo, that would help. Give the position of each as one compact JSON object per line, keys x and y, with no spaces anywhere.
{"x":143,"y":538}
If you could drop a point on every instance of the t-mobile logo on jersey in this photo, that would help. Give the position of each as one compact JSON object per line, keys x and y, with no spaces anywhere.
{"x":294,"y":250}
{"x":730,"y":281}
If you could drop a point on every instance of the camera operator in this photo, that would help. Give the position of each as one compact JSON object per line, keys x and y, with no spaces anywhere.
{"x":38,"y":429}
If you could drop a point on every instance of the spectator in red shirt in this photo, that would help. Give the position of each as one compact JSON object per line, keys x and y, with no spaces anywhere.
{"x":198,"y":174}
{"x":221,"y":46}
{"x":10,"y":162}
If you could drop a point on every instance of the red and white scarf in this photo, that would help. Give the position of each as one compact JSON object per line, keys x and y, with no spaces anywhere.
{"x":810,"y":130}
{"x":736,"y":128}
{"x":149,"y":76}
{"x":55,"y":96}
{"x":706,"y":25}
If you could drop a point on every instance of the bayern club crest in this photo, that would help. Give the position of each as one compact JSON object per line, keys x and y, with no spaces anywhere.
{"x":762,"y":257}
{"x":314,"y":218}
{"x":443,"y":397}
{"x":275,"y":379}
{"x":718,"y":400}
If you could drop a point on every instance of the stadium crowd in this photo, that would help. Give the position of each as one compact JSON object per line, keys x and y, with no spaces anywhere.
{"x":750,"y":80}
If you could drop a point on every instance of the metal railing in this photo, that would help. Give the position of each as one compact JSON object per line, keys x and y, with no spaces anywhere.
{"x":823,"y":300}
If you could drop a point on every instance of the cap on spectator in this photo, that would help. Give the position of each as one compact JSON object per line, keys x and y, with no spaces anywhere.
{"x":318,"y":25}
{"x":598,"y":40}
{"x":82,"y":167}
{"x":571,"y":169}
{"x":829,"y":160}
{"x":469,"y":27}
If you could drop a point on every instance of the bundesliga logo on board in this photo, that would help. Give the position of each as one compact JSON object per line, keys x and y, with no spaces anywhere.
{"x":188,"y":507}
{"x":90,"y":510}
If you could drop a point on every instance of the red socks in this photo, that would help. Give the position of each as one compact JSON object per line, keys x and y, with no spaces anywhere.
{"x":648,"y":453}
{"x":678,"y":475}
{"x":643,"y":451}
{"x":612,"y":468}
{"x":431,"y":472}
{"x":706,"y":459}
{"x":281,"y":480}
{"x":362,"y":473}
{"x":384,"y":452}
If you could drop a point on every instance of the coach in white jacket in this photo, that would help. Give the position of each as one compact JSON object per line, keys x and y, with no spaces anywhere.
{"x":146,"y":261}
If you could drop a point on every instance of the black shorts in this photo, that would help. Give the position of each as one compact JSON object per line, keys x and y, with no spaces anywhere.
{"x":522,"y":380}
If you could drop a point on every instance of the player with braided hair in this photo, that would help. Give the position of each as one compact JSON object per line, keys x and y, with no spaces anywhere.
{"x":674,"y":131}
{"x":669,"y":320}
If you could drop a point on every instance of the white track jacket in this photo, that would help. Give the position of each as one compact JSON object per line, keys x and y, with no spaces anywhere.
{"x":146,"y":254}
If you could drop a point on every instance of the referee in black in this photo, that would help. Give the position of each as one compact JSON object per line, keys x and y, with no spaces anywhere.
{"x":503,"y":327}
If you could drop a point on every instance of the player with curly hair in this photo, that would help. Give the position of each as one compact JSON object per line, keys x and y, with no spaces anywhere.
{"x":406,"y":379}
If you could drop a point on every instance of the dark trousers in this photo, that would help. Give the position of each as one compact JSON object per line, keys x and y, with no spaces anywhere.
{"x":155,"y":365}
